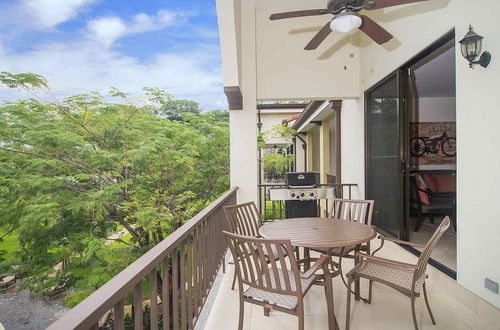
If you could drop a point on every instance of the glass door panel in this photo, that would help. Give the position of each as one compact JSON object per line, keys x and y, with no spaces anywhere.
{"x":383,"y":155}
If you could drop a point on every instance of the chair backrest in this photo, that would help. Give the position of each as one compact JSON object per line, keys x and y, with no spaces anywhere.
{"x":426,"y":253}
{"x":259,"y":261}
{"x":244,"y":219}
{"x":353,"y":210}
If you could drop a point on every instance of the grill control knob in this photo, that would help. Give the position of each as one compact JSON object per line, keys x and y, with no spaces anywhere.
{"x":311,"y":194}
{"x":302,"y":194}
{"x":292,"y":194}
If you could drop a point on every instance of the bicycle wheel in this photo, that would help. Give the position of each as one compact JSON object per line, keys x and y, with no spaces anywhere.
{"x":417,"y":147}
{"x":449,"y":146}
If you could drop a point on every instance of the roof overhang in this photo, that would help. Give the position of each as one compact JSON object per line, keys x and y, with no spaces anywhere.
{"x":316,"y":111}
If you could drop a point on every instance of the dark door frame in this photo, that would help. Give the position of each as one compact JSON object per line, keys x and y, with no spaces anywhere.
{"x":402,"y":74}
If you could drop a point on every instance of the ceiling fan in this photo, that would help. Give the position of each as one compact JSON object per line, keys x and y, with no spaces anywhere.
{"x":346,"y":19}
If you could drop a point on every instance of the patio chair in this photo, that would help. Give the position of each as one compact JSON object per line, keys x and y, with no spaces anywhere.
{"x":438,"y":201}
{"x":275,"y":285}
{"x":352,"y":210}
{"x":409,"y":279}
{"x":244,"y":219}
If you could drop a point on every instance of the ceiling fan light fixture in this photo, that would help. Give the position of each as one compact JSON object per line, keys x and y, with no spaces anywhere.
{"x":346,"y":22}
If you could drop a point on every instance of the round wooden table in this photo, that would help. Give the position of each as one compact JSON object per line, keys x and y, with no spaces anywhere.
{"x":321,"y":233}
{"x":318,"y":232}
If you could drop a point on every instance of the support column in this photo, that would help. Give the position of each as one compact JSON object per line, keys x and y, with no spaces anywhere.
{"x":324,"y":159}
{"x":243,"y":123}
{"x":309,"y":151}
{"x":324,"y":147}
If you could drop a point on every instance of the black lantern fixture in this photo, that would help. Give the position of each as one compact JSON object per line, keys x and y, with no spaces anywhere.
{"x":471,"y":46}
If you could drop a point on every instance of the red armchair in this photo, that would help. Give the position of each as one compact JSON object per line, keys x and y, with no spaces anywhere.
{"x":433,"y":195}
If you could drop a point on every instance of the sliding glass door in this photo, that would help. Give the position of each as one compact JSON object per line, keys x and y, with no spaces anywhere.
{"x":385,"y":165}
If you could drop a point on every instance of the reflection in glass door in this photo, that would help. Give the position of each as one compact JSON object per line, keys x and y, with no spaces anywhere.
{"x":384,"y":168}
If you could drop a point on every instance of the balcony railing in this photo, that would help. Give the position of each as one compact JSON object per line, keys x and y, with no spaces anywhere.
{"x":181,"y":270}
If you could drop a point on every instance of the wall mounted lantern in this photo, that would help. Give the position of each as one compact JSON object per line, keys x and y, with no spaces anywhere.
{"x":471,"y":46}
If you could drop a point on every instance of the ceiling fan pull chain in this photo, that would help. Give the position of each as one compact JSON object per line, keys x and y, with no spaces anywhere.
{"x":351,"y":54}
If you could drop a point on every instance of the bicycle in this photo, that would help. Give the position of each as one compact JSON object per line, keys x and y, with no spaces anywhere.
{"x":422,"y":145}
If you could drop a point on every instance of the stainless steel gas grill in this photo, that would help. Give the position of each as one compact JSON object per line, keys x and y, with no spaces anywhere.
{"x":301,"y":194}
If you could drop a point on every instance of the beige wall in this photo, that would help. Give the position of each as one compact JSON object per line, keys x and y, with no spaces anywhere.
{"x":228,"y":13}
{"x":353,"y":150}
{"x":243,"y":123}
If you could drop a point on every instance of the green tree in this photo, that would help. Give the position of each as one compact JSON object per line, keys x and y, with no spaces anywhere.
{"x":73,"y":173}
{"x":171,"y":108}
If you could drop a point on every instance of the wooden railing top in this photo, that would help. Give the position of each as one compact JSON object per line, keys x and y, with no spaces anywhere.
{"x":85,"y":314}
{"x":282,"y":184}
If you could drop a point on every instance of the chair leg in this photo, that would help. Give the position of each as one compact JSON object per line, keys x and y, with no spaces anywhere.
{"x":242,"y":313}
{"x":300,"y":314}
{"x":332,"y":320}
{"x":418,"y":224}
{"x":454,"y":221}
{"x":428,"y":306}
{"x":413,"y":312}
{"x":348,"y":306}
{"x":307,"y":255}
{"x":234,"y":280}
{"x":370,"y":287}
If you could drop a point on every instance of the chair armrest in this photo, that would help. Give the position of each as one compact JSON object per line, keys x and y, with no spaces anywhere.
{"x":389,"y":261}
{"x":400,"y":241}
{"x":427,"y":191}
{"x":317,"y":265}
{"x":443,"y":194}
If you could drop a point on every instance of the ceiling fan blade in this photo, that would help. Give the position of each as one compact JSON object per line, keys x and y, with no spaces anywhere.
{"x":379,"y":4}
{"x":300,"y":13}
{"x":375,"y":31}
{"x":319,"y":37}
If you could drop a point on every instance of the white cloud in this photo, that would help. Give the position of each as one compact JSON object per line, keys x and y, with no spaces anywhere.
{"x":81,"y":67}
{"x":50,"y":13}
{"x":107,"y":30}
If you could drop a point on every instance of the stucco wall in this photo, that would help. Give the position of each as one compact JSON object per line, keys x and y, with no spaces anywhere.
{"x":415,"y":27}
{"x":352,"y":140}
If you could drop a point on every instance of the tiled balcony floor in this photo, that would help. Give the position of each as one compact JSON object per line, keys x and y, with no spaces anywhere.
{"x":389,"y":308}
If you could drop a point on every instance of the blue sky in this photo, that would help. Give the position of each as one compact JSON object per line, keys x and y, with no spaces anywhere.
{"x":91,"y":45}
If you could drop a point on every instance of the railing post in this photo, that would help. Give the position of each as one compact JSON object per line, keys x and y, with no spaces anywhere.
{"x":119,"y":317}
{"x":138,"y":306}
{"x":165,"y":294}
{"x":153,"y":293}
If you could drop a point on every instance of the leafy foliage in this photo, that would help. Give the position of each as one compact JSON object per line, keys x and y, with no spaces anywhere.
{"x":277,"y":131}
{"x":75,"y":172}
{"x":276,"y":162}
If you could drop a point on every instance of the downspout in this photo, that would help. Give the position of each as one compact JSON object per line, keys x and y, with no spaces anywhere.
{"x":304,"y":146}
